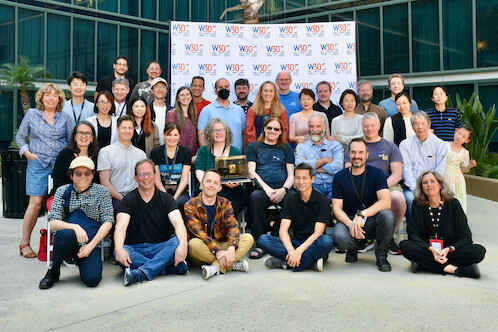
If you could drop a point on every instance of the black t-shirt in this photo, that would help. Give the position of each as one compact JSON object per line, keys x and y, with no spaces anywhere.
{"x":304,"y":215}
{"x":104,"y":135}
{"x":61,"y":167}
{"x":331,"y":112}
{"x":149,"y":222}
{"x":171,"y":174}
{"x":342,"y":188}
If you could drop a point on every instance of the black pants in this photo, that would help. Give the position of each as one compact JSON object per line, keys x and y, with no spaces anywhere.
{"x":237,"y":196}
{"x":467,"y":255}
{"x":66,"y":247}
{"x":257,"y":205}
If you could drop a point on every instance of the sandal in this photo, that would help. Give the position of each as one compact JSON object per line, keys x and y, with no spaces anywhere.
{"x":256,"y":253}
{"x":27,"y":253}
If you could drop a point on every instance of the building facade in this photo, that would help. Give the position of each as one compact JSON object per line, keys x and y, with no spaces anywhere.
{"x":453,"y":42}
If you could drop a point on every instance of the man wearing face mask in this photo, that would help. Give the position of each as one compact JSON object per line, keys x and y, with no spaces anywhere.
{"x":326,"y":157}
{"x":222,"y":108}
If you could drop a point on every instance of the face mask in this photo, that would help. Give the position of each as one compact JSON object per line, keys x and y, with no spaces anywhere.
{"x":223,"y":94}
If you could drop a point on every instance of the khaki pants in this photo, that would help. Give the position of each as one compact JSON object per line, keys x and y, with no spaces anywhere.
{"x":200,"y":253}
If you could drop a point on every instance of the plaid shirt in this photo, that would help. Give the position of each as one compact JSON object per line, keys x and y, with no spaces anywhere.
{"x":225,"y":227}
{"x":96,"y":204}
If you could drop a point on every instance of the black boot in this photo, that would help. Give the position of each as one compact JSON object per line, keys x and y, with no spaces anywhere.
{"x":50,"y":279}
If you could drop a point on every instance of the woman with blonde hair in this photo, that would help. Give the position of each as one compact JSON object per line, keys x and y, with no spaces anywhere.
{"x":43,"y":133}
{"x":267,"y":104}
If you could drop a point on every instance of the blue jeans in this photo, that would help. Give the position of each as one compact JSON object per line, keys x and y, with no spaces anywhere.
{"x":324,"y":188}
{"x":409,"y":202}
{"x":155,"y":258}
{"x":318,"y":249}
{"x":379,"y":227}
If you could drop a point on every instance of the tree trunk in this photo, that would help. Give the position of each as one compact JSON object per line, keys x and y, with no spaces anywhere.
{"x":25,"y":102}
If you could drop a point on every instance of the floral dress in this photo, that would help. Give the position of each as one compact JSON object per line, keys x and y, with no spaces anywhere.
{"x":454,"y":177}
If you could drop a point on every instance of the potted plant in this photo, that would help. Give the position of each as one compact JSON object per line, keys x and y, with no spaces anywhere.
{"x":21,"y":75}
{"x":484,"y":126}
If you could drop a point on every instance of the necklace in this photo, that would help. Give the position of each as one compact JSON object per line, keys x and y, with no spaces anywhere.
{"x":435,"y":220}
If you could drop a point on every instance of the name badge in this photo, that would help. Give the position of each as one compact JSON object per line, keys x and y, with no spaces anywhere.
{"x":436,"y":244}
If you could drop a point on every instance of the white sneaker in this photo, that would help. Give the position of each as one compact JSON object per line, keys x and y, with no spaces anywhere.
{"x":318,"y":265}
{"x":209,"y":270}
{"x":242,"y":266}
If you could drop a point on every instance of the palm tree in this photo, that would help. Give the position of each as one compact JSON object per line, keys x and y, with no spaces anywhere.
{"x":23,"y":75}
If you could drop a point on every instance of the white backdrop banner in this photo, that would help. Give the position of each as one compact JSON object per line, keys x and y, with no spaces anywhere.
{"x":309,"y":52}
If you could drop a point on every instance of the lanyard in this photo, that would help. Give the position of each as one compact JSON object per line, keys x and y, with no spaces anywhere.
{"x":136,"y":138}
{"x":168,"y":167}
{"x":360,"y":197}
{"x":435,"y":220}
{"x":214,"y":157}
{"x":122,"y":109}
{"x":74,"y":113}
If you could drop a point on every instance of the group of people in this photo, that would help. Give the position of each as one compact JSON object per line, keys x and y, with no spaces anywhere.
{"x":363,"y":164}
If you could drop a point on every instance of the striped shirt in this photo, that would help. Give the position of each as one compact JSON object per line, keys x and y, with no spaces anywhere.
{"x":225,"y":227}
{"x":444,"y":123}
{"x":95,"y":204}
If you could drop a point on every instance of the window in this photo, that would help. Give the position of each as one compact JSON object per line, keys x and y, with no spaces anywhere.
{"x":487,"y":96}
{"x":7,"y":34}
{"x":110,"y":6}
{"x":30,"y":39}
{"x":369,"y":41}
{"x":107,"y":44}
{"x":457,"y":34}
{"x":182,"y":10}
{"x":128,"y":41}
{"x":396,"y":39}
{"x":128,"y":7}
{"x":84,"y":47}
{"x":425,"y":35}
{"x":58,"y":45}
{"x":162,"y":54}
{"x":487,"y":39}
{"x":6,"y":102}
{"x":165,"y":11}
{"x":147,"y":51}
{"x":422,"y":95}
{"x":148,"y":9}
{"x":200,"y":11}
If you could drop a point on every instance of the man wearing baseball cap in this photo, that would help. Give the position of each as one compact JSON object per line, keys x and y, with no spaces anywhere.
{"x":159,"y":106}
{"x":82,"y":215}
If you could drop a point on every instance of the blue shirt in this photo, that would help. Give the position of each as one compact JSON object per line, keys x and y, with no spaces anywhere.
{"x":271,"y":162}
{"x":233,"y":115}
{"x":308,"y":152}
{"x":45,"y":140}
{"x":390,"y":106}
{"x":290,"y":102}
{"x":78,"y":112}
{"x":420,"y":156}
{"x":444,"y":123}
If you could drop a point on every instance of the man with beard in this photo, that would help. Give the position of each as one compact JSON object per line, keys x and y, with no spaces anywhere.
{"x":143,"y":89}
{"x":120,"y":67}
{"x":222,"y":108}
{"x":365,"y":91}
{"x":242,"y":91}
{"x":361,"y":201}
{"x":326,"y":157}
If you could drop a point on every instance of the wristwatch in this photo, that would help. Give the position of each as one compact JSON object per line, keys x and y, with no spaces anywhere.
{"x":360,"y":214}
{"x":286,"y":189}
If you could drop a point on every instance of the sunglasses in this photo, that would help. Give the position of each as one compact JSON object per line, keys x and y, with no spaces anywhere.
{"x":272,"y":128}
{"x":80,"y":173}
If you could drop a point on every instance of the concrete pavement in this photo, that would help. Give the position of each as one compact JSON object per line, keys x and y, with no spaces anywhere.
{"x":344,"y":297}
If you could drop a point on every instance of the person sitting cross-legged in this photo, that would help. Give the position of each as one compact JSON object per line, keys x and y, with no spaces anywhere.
{"x":307,"y":212}
{"x":215,"y":241}
{"x":144,"y":239}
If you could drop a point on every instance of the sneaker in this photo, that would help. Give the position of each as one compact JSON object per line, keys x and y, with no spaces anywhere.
{"x":275,"y":263}
{"x":242,"y":266}
{"x":383,"y":265}
{"x":351,"y":256}
{"x":181,"y":269}
{"x":209,"y":270}
{"x":318,"y":266}
{"x":365,"y":245}
{"x":393,"y":248}
{"x":469,"y":271}
{"x":133,"y":276}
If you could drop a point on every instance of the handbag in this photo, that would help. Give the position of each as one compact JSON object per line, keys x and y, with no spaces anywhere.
{"x":42,"y":252}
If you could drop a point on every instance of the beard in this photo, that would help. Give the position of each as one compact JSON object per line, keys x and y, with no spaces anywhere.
{"x":316,"y":136}
{"x":366,"y":100}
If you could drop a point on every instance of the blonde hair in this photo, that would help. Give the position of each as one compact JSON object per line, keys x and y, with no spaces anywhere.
{"x":46,"y":89}
{"x":276,"y":108}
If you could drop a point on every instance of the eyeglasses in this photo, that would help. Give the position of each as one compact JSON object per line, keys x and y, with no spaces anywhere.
{"x":219,"y":131}
{"x":272,"y":128}
{"x":80,"y":173}
{"x":284,"y":79}
{"x":84,"y":133}
{"x":145,"y":175}
{"x":104,"y":103}
{"x":122,"y":64}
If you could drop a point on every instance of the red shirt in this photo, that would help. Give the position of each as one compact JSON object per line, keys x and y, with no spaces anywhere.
{"x":200,"y":105}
